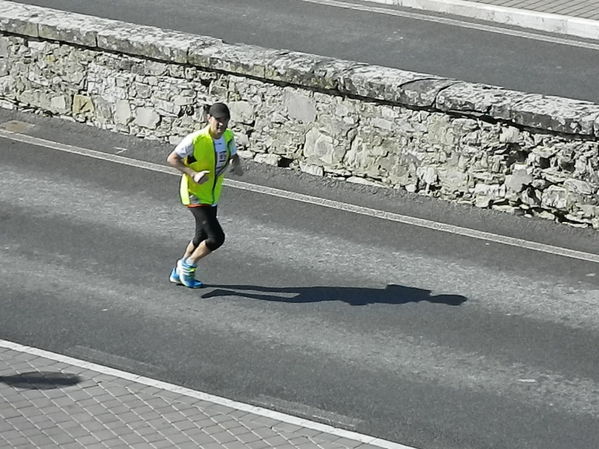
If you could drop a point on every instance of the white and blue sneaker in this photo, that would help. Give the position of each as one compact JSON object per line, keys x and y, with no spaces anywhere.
{"x":174,"y":277}
{"x":187,"y":275}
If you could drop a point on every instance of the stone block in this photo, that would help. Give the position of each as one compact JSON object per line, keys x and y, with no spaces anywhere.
{"x":362,"y":181}
{"x":376,"y":82}
{"x":299,"y":106}
{"x":319,"y":148}
{"x":242,"y":112}
{"x":4,"y":46}
{"x":269,"y":159}
{"x":558,"y":114}
{"x":150,"y":42}
{"x":423,"y":92}
{"x":82,"y":105}
{"x":394,"y":85}
{"x":306,"y":70}
{"x":578,"y":186}
{"x":479,"y":99}
{"x":237,"y":59}
{"x":59,"y":104}
{"x":20,"y":19}
{"x":555,"y":197}
{"x":311,"y":169}
{"x":486,"y":194}
{"x":453,"y":180}
{"x":521,"y":177}
{"x":72,"y":28}
{"x":146,"y":118}
{"x":122,"y":112}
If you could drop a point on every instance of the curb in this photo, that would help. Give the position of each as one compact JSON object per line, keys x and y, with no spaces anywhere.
{"x":552,"y":23}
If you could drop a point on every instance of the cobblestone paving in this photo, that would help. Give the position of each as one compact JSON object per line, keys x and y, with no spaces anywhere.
{"x":586,"y":9}
{"x":51,"y":404}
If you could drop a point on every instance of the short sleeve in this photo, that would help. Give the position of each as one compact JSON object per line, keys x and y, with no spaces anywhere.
{"x":185,"y":147}
{"x":232,"y":147}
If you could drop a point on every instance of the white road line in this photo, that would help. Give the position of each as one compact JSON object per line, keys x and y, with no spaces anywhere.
{"x":384,"y":215}
{"x":458,"y":23}
{"x":367,"y":439}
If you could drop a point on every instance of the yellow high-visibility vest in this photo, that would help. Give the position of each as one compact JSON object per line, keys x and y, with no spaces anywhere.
{"x":204,"y":158}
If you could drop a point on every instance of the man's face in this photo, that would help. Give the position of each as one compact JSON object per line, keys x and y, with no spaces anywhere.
{"x":218,"y":125}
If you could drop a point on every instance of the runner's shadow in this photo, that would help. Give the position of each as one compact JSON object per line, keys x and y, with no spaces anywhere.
{"x":40,"y":380}
{"x":355,"y":296}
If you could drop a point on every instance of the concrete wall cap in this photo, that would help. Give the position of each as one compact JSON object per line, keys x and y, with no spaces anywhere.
{"x":389,"y":84}
{"x":307,"y":70}
{"x":238,"y":59}
{"x":71,"y":28}
{"x":141,"y":40}
{"x":563,"y":115}
{"x":20,"y":19}
{"x":478,"y":99}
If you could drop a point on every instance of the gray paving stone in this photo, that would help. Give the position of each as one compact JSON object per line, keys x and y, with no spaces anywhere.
{"x":26,"y":445}
{"x":164,"y":444}
{"x":17,"y":441}
{"x":62,"y":438}
{"x":97,"y":445}
{"x":88,"y":439}
{"x":224,"y":437}
{"x":132,"y":438}
{"x":248,"y":437}
{"x":21,"y":423}
{"x":94,"y":426}
{"x":114,"y":443}
{"x":9,"y":413}
{"x":179,"y":438}
{"x":39,"y":440}
{"x":260,"y":444}
{"x":12,"y":434}
{"x":213,"y":445}
{"x":107,"y":412}
{"x":72,"y":445}
{"x":235,"y":445}
{"x":276,"y":441}
{"x":42,"y":422}
{"x":77,"y":432}
{"x":307,"y":445}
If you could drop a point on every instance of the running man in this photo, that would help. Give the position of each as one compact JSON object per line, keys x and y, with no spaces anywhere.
{"x":203,"y":158}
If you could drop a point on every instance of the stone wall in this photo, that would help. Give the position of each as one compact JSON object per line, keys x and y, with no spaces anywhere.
{"x":471,"y":143}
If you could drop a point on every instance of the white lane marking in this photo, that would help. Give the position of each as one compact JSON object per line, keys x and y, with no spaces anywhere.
{"x":457,"y":23}
{"x":367,"y":439}
{"x":384,"y":215}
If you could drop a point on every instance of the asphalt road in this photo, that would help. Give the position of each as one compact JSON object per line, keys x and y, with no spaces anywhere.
{"x":426,"y":338}
{"x":458,"y":52}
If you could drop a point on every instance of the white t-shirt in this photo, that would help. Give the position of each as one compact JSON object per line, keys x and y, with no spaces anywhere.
{"x":185,"y":148}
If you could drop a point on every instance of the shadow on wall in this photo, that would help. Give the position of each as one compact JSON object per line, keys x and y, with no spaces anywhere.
{"x":391,"y":294}
{"x":40,"y":380}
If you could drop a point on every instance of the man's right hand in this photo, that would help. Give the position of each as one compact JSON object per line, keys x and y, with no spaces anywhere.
{"x":201,"y":177}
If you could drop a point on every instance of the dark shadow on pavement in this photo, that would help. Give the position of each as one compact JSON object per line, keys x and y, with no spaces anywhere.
{"x":40,"y":380}
{"x":355,"y":296}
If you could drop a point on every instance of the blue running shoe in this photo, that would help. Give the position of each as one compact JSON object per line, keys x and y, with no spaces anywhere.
{"x":187,"y":275}
{"x":175,"y":278}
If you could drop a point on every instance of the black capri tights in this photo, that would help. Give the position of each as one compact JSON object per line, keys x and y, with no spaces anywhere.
{"x":208,"y":228}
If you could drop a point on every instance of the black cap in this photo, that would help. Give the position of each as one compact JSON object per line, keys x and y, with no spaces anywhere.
{"x":219,"y":110}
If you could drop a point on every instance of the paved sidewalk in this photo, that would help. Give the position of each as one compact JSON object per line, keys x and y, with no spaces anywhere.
{"x":52,"y":401}
{"x":584,"y":9}
{"x":578,"y":18}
